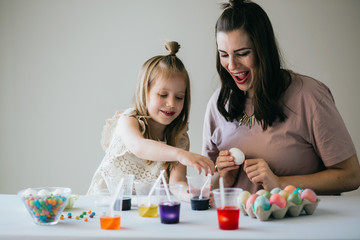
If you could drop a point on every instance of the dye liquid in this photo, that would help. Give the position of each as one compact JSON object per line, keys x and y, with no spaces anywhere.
{"x":169,"y":212}
{"x":148,"y":211}
{"x":228,"y":217}
{"x":110,"y":223}
{"x":126,"y":204}
{"x":199,"y":204}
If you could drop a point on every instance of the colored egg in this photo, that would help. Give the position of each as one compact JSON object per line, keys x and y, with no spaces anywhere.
{"x":243,"y":197}
{"x":295,"y":198}
{"x":278,"y":200}
{"x":263,"y":202}
{"x":284,"y":193}
{"x":267,"y":194}
{"x":251,"y":200}
{"x":290,"y":188}
{"x":275,"y":190}
{"x":298,"y":190}
{"x":263,"y":192}
{"x":309,"y":195}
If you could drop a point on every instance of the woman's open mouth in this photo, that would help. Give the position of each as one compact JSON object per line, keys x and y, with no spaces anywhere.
{"x":241,"y":77}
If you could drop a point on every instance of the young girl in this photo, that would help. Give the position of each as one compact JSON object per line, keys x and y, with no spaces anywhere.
{"x":153,"y":135}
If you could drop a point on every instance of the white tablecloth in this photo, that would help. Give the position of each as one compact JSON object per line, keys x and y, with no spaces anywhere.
{"x":336,"y":217}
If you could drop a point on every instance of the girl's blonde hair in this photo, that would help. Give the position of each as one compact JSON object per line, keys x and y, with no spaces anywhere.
{"x":163,"y":66}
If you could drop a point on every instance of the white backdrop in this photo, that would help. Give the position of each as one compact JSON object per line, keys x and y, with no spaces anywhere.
{"x":67,"y":65}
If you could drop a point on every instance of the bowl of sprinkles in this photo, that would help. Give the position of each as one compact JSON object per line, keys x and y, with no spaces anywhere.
{"x":45,"y":204}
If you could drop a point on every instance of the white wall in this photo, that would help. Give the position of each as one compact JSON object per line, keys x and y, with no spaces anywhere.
{"x":67,"y":65}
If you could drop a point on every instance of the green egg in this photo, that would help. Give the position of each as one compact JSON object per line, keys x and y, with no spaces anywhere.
{"x":295,"y":198}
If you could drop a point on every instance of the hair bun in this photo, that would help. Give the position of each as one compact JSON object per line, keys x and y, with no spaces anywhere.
{"x":172,"y":47}
{"x":237,"y":3}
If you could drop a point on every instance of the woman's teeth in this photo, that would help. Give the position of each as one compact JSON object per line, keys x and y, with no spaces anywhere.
{"x":239,"y":74}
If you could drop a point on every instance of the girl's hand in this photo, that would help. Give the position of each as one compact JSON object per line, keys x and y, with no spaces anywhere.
{"x":259,"y":172}
{"x":225,"y":165}
{"x":197,"y":161}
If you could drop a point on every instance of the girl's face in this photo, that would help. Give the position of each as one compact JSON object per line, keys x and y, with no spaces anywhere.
{"x":165,"y":99}
{"x":238,"y":58}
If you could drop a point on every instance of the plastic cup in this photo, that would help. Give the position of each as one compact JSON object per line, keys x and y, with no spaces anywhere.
{"x":169,"y":204}
{"x":109,"y":219}
{"x":228,"y":212}
{"x":147,"y":206}
{"x":195,"y":183}
{"x":126,"y":191}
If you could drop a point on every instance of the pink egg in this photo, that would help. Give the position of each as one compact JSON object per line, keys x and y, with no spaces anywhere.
{"x":278,"y":200}
{"x":309,"y":195}
{"x":251,"y":200}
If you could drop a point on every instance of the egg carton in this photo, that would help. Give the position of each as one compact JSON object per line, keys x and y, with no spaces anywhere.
{"x":276,"y":212}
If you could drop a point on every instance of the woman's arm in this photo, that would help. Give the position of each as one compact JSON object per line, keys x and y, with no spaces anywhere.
{"x":129,"y":131}
{"x":341,"y":177}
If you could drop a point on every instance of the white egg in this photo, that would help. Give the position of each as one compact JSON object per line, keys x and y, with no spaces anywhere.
{"x":43,"y":193}
{"x":29,"y":192}
{"x":58,"y":191}
{"x":238,"y":155}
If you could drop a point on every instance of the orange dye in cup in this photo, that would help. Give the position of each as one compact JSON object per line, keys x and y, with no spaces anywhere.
{"x":110,"y":223}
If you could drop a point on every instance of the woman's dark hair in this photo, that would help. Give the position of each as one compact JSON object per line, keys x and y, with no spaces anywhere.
{"x":270,"y":80}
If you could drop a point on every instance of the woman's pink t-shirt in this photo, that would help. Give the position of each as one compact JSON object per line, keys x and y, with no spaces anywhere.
{"x":313,"y":136}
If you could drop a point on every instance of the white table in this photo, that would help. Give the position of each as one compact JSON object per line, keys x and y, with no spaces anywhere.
{"x":336,"y":217}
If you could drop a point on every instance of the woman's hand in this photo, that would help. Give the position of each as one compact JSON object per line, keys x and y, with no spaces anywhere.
{"x":211,"y":197}
{"x":225,"y":165}
{"x":259,"y":172}
{"x":197,"y":161}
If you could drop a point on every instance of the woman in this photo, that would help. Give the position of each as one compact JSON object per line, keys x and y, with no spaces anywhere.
{"x":286,"y":124}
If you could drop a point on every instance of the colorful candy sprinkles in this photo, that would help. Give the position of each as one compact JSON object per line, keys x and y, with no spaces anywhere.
{"x":83,"y":215}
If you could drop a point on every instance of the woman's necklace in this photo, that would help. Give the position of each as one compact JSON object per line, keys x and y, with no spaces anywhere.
{"x":247,"y":121}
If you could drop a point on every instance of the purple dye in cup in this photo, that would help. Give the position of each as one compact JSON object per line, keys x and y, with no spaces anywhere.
{"x":169,"y":212}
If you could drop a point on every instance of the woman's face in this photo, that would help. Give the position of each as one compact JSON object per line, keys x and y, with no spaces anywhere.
{"x":238,"y":58}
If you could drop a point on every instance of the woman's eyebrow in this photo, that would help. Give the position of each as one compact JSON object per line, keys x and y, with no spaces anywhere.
{"x":242,"y":49}
{"x":237,"y":50}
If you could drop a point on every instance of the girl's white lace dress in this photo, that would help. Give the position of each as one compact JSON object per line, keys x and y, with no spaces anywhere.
{"x":118,"y":160}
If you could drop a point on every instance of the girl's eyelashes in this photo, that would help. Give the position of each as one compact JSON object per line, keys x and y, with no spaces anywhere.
{"x":166,"y":95}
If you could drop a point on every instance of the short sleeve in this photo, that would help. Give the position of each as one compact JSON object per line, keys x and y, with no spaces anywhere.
{"x":209,"y":148}
{"x":331,"y":139}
